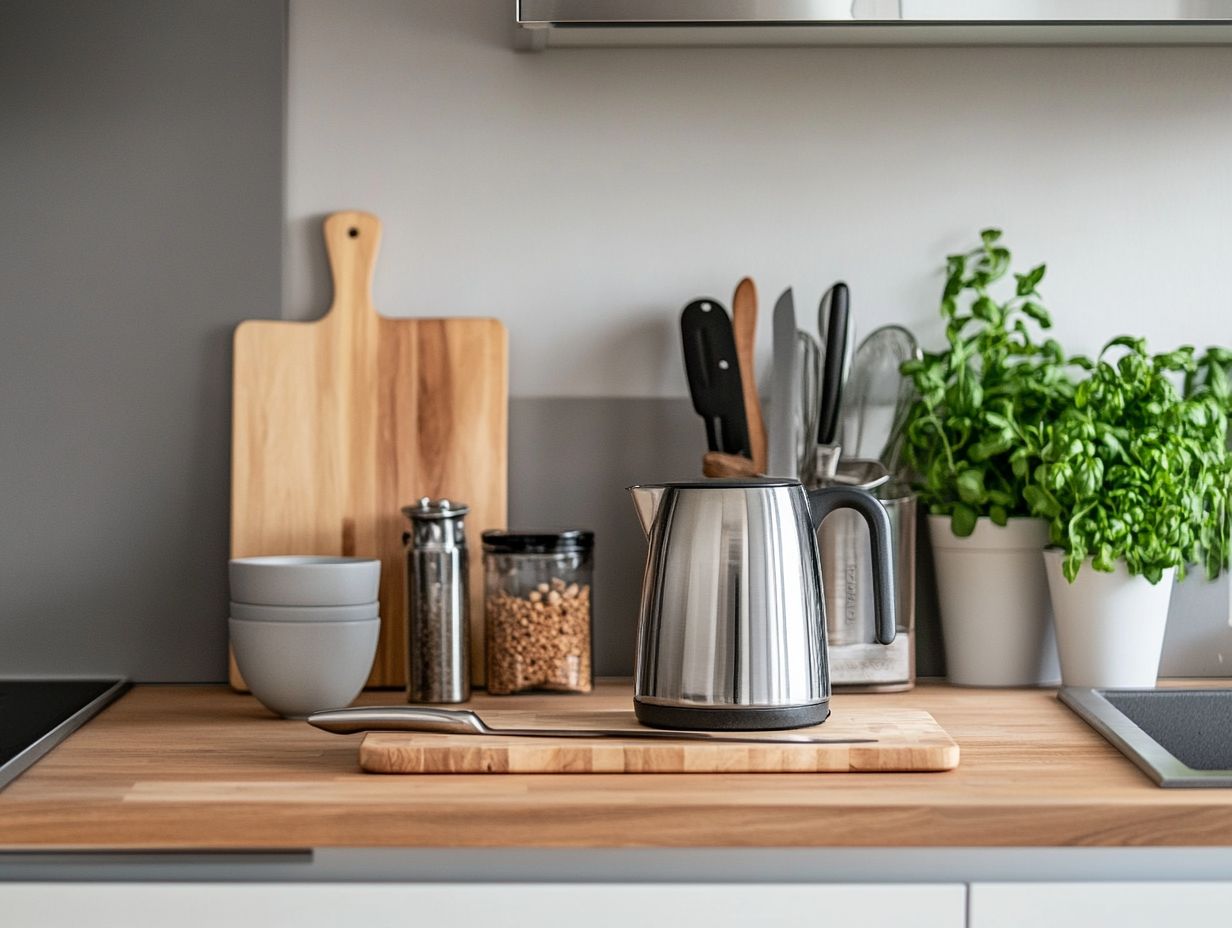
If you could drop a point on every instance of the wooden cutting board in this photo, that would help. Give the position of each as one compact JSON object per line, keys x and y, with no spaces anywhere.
{"x":907,"y":740}
{"x":340,"y":422}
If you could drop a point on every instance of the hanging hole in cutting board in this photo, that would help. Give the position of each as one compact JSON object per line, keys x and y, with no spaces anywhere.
{"x":353,"y":232}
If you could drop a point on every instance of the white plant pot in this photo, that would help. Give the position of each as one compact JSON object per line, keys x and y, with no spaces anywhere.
{"x":1110,"y":627}
{"x":996,"y":617}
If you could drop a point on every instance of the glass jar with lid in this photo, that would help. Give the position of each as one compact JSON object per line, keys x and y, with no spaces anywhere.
{"x":537,"y":610}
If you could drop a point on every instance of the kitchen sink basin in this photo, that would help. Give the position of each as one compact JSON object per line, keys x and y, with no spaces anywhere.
{"x":1179,"y":737}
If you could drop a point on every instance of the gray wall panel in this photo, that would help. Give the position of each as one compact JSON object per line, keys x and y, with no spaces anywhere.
{"x":141,"y":187}
{"x":570,"y":461}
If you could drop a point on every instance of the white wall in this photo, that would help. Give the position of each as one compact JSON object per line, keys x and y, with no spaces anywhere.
{"x":585,"y":195}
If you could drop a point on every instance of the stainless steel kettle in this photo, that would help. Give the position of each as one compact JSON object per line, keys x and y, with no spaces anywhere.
{"x":732,"y":631}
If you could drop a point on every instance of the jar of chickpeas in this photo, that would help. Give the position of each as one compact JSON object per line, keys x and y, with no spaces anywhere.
{"x":537,"y":610}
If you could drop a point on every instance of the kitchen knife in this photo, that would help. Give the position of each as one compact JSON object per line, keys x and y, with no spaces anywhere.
{"x":784,"y":392}
{"x":744,"y":328}
{"x":713,"y":371}
{"x":465,"y":722}
{"x":833,"y":376}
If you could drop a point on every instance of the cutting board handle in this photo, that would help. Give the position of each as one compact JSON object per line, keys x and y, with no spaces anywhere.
{"x":351,"y":240}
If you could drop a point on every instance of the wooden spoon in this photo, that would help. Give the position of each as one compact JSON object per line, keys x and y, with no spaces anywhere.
{"x":744,"y":327}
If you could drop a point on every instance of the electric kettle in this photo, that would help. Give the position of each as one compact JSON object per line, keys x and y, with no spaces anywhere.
{"x":731,"y":634}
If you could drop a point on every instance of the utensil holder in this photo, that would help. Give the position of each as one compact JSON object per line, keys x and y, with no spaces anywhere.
{"x":718,"y":464}
{"x":857,"y":661}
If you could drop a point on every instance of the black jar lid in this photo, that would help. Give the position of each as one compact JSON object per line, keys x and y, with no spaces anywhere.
{"x":537,"y":541}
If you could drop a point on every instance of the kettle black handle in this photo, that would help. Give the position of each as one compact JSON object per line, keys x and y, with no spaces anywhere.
{"x":824,"y":501}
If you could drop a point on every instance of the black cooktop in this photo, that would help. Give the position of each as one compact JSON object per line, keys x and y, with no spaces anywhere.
{"x":36,"y":715}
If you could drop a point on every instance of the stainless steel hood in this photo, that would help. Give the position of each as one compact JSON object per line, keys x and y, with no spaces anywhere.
{"x":543,"y":23}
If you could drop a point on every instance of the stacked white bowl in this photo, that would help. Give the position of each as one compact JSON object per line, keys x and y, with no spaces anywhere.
{"x":304,"y":629}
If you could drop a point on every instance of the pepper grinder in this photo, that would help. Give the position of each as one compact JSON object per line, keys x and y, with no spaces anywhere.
{"x":437,"y":612}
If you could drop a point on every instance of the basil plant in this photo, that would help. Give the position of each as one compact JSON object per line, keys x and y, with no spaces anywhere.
{"x":1135,"y":468}
{"x":964,"y":438}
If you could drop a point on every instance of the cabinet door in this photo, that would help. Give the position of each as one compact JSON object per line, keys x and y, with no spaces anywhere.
{"x":1092,"y":905}
{"x":376,"y":905}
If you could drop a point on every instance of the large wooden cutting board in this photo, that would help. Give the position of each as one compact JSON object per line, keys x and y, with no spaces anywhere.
{"x":340,"y":422}
{"x":907,"y":740}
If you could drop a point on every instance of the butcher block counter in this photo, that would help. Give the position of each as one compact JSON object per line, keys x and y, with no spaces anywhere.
{"x":201,"y":767}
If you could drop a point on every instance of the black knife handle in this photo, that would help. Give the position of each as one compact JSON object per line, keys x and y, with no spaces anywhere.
{"x":713,"y":373}
{"x":832,"y":373}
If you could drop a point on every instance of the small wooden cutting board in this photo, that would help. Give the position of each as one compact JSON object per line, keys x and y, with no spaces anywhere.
{"x":907,"y":740}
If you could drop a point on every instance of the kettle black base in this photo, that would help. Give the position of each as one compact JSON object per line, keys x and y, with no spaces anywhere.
{"x":733,"y":718}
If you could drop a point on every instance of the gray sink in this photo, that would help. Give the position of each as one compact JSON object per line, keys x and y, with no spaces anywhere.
{"x":1179,"y":737}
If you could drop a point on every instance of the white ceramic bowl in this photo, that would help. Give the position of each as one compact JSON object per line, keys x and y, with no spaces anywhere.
{"x":297,"y":668}
{"x":304,"y":580}
{"x":248,"y":612}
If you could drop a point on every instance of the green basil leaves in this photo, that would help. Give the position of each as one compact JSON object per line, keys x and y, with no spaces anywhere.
{"x":1128,"y":464}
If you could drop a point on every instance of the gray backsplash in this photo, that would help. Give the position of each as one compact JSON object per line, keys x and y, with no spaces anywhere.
{"x":570,"y":462}
{"x":1198,"y":642}
{"x":571,"y":459}
{"x":141,"y":172}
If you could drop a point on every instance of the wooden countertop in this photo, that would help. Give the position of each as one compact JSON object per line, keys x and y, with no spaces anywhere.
{"x":176,"y":767}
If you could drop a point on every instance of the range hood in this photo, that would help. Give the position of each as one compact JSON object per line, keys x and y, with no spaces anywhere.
{"x":544,"y":23}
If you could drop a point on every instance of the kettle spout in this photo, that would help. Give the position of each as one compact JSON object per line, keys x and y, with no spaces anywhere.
{"x":646,"y":500}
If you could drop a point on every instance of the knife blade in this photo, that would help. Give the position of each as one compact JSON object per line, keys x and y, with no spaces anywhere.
{"x":784,"y":391}
{"x":430,"y":720}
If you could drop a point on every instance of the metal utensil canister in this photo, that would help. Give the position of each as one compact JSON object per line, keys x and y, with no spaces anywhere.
{"x":437,"y":620}
{"x":856,"y":660}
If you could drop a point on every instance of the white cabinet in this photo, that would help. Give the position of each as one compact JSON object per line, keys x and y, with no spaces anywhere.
{"x":1094,"y":905}
{"x":560,"y":905}
{"x":613,"y":905}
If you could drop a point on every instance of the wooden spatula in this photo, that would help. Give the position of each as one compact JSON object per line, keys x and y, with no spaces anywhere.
{"x":718,"y":464}
{"x":744,"y":325}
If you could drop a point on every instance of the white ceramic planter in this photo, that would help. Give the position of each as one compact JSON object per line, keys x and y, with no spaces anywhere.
{"x":996,"y":617}
{"x":1110,"y":627}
